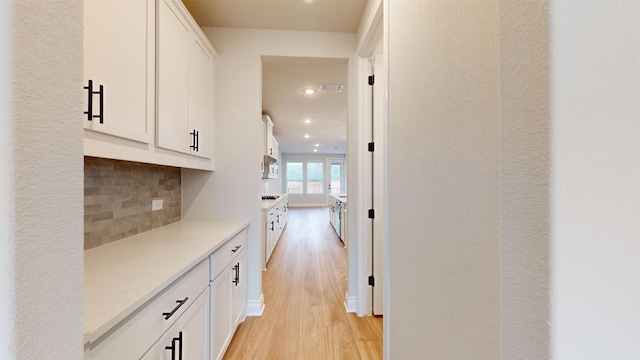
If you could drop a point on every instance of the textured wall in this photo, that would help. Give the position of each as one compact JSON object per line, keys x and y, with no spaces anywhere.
{"x":524,"y":177}
{"x":41,"y":182}
{"x":118,"y":195}
{"x":595,"y":177}
{"x":444,"y":186}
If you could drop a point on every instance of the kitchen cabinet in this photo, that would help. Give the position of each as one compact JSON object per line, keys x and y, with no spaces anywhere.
{"x":188,"y":338}
{"x":166,"y":300}
{"x":271,"y":145}
{"x":119,"y":68}
{"x":270,"y":238}
{"x":332,"y":211}
{"x":149,"y":84}
{"x":228,"y":292}
{"x":185,"y":83}
{"x":169,"y":310}
{"x":275,"y":216}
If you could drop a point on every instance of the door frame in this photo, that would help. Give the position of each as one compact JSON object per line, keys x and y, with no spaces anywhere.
{"x":343,"y":173}
{"x":359,"y":296}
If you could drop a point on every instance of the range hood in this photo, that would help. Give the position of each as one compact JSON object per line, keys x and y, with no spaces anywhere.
{"x":269,"y":160}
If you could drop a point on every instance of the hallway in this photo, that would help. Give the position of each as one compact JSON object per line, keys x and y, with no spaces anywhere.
{"x":304,"y":289}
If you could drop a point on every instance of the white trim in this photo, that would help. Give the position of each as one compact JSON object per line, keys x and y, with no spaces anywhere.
{"x":255,"y":307}
{"x":350,"y":303}
{"x":370,"y":36}
{"x":386,"y":328}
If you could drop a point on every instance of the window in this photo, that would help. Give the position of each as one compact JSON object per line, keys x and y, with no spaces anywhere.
{"x":294,"y":178}
{"x":315,"y":178}
{"x":305,"y":177}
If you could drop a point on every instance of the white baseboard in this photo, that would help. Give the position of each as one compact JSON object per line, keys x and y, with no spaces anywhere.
{"x":350,"y":303}
{"x":255,"y":307}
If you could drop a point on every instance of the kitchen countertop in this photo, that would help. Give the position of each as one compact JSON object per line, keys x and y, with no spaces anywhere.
{"x":268,"y":204}
{"x":121,"y":276}
{"x":341,"y":197}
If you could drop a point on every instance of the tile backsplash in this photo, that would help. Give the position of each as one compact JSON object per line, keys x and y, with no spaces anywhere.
{"x":118,"y":195}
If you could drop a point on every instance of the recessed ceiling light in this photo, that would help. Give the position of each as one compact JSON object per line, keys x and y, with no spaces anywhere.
{"x":315,"y":150}
{"x":307,"y":121}
{"x":309,"y":91}
{"x":306,"y":136}
{"x":317,"y":145}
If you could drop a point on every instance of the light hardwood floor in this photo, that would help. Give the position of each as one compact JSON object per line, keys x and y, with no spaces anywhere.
{"x":304,"y":288}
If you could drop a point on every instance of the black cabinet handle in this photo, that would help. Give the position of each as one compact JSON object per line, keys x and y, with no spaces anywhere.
{"x":173,"y":347}
{"x":236,"y":277}
{"x":196,"y":139}
{"x":90,"y":93}
{"x":272,"y":226}
{"x":180,"y":303}
{"x":236,"y":248}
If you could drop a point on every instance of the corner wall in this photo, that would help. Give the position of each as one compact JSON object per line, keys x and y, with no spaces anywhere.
{"x":524,"y":177}
{"x":444,"y":186}
{"x":234,"y":189}
{"x":41,"y":251}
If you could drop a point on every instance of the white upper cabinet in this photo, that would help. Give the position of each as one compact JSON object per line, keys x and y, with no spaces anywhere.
{"x":271,"y":148}
{"x":119,"y":70}
{"x":201,"y":88}
{"x":185,"y":83}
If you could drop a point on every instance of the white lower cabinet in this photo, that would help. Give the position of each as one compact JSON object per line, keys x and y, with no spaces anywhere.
{"x":228,"y":292}
{"x":135,"y":335}
{"x":188,"y":337}
{"x":220,"y":315}
{"x":276,"y":219}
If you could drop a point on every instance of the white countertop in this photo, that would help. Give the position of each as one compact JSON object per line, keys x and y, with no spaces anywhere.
{"x":341,"y":197}
{"x":268,"y":204}
{"x":121,"y":276}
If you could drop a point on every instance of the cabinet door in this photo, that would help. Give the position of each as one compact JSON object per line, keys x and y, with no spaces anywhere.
{"x":220,"y":313}
{"x":201,"y":97}
{"x":173,"y":65}
{"x":118,"y":54}
{"x":238,"y":291}
{"x":275,"y":147}
{"x":268,"y":136}
{"x":270,"y":241}
{"x":189,"y":335}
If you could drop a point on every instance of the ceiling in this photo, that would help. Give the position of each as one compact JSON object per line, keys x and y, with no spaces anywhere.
{"x":283,"y":98}
{"x":284,"y":79}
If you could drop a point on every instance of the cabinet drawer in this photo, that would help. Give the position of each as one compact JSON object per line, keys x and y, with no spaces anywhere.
{"x":223,"y":256}
{"x":135,"y":335}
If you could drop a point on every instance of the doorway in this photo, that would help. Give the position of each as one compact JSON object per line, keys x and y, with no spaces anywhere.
{"x":337,"y":176}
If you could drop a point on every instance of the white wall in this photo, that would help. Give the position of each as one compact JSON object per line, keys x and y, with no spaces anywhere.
{"x":444,"y":235}
{"x":234,"y":189}
{"x":595,"y":177}
{"x":569,"y":185}
{"x":41,"y":182}
{"x":305,"y":199}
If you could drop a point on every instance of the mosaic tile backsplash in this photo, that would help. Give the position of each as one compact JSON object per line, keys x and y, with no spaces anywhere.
{"x":118,"y":195}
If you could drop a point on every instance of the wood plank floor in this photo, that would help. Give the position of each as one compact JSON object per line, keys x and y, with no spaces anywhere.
{"x":304,"y":288}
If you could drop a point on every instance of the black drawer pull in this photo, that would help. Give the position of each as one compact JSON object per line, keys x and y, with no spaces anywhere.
{"x":236,"y":248}
{"x":180,"y":303}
